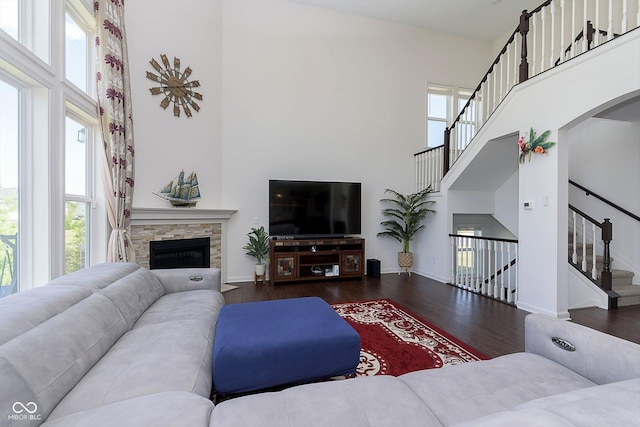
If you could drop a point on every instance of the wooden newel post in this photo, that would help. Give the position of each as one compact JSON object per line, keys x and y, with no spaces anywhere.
{"x":590,"y":31}
{"x":447,"y":151}
{"x":607,"y":236}
{"x":523,"y":30}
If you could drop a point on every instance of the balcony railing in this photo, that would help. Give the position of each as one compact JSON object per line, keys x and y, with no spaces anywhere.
{"x":486,"y":266}
{"x":553,"y":33}
{"x":8,"y":264}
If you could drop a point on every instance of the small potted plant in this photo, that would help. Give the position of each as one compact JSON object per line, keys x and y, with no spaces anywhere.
{"x":258,"y":248}
{"x":404,"y":216}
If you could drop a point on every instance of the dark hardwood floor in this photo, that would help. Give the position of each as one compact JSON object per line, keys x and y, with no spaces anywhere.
{"x":489,"y":326}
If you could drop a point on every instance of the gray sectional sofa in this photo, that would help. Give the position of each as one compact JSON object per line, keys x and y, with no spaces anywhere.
{"x":114,"y":344}
{"x":597,"y":384}
{"x":119,"y":345}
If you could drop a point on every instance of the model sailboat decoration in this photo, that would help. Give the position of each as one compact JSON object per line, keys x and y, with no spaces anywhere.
{"x":181,"y":191}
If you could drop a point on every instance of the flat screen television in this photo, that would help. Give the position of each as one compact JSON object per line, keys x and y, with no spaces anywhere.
{"x":301,"y":209}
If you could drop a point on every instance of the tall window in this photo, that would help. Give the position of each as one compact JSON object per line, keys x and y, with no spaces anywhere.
{"x":27,"y":21}
{"x":9,"y":17}
{"x":9,"y":181}
{"x":48,"y":208}
{"x":444,"y":103}
{"x":76,"y":52}
{"x":77,"y":148}
{"x":78,"y":194}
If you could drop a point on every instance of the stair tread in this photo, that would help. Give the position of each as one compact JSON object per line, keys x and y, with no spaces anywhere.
{"x":621,"y":273}
{"x":627,"y":290}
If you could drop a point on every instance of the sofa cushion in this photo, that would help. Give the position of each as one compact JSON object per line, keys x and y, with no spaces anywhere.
{"x":97,"y":276}
{"x":370,"y":401}
{"x":610,"y":404}
{"x":44,"y":303}
{"x":169,"y":409}
{"x":134,"y":294}
{"x":170,"y":355}
{"x":199,"y":304}
{"x":470,"y":390}
{"x":44,"y":363}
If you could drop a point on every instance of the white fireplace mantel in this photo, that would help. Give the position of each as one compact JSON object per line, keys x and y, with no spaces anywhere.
{"x":175,"y":223}
{"x":143,"y":216}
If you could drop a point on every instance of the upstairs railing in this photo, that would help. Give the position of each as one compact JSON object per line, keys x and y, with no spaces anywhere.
{"x":546,"y":37}
{"x":487,"y":266}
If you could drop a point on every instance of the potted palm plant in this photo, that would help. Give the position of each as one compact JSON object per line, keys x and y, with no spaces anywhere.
{"x":258,"y":248}
{"x":404,"y":216}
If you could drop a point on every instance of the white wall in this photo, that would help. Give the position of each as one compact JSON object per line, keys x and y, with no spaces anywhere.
{"x":506,"y":207}
{"x":309,"y":93}
{"x":291,"y":92}
{"x":487,"y":223}
{"x":166,"y":144}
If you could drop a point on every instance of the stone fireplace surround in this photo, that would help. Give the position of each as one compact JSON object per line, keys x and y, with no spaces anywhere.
{"x":153,"y":224}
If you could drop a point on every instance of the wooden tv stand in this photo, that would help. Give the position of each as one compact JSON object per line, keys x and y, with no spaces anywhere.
{"x":316,"y":259}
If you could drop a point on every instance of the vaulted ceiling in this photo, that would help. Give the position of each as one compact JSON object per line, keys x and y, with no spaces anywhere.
{"x":485,"y":20}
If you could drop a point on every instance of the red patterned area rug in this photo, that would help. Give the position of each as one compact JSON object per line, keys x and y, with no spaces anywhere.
{"x":395,"y":342}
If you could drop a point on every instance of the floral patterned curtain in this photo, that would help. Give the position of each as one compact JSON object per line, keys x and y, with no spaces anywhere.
{"x":116,"y":125}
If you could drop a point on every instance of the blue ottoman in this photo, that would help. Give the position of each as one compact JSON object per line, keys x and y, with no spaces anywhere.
{"x":270,"y":343}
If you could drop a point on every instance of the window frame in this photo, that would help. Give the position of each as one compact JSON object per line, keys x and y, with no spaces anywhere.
{"x":454,"y":94}
{"x":46,"y":97}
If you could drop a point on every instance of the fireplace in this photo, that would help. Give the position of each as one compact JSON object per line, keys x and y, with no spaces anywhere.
{"x":180,"y":253}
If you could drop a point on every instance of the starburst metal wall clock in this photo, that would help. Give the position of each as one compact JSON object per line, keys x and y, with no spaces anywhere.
{"x":175,"y":86}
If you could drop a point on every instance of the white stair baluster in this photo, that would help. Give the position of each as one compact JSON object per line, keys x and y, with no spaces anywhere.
{"x":476,"y":272}
{"x":502,"y":272}
{"x":584,"y":244}
{"x":508,"y":271}
{"x":458,"y":262}
{"x":483,"y":288}
{"x":552,"y":55}
{"x":495,"y":270}
{"x":573,"y":30}
{"x":466,"y":262}
{"x":563,"y":30}
{"x":534,"y":44}
{"x":574,"y":255}
{"x":515,"y":256}
{"x":596,"y":35}
{"x":624,"y":16}
{"x":610,"y":26}
{"x":585,"y":45}
{"x":594,"y":270}
{"x":543,"y":31}
{"x":511,"y":78}
{"x":454,"y":261}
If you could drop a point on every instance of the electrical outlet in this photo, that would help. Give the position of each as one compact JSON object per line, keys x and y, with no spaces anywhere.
{"x":256,"y":220}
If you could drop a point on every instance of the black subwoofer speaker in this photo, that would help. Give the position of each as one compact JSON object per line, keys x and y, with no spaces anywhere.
{"x":373,"y":267}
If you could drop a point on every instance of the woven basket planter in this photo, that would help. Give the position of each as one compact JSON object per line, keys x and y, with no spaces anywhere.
{"x":405,"y":260}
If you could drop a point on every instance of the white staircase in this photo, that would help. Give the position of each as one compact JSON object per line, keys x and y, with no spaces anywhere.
{"x":621,"y":280}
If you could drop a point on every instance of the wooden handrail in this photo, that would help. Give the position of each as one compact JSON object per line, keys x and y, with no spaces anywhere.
{"x":602,"y":199}
{"x":428,"y":149}
{"x":585,"y":216}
